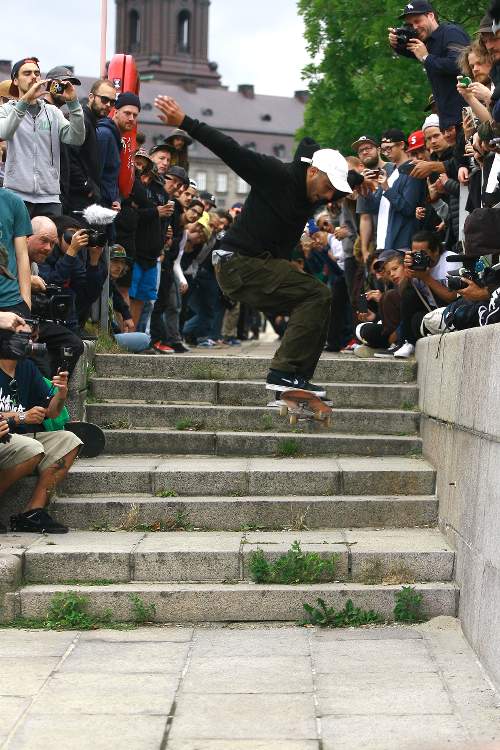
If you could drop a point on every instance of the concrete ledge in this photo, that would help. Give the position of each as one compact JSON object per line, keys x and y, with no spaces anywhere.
{"x":459,"y":382}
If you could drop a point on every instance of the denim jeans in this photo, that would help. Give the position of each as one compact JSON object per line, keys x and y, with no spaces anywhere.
{"x":134,"y":342}
{"x":203,"y":302}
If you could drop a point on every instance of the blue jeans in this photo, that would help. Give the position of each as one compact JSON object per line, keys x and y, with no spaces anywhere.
{"x":203,"y":302}
{"x":135,"y":342}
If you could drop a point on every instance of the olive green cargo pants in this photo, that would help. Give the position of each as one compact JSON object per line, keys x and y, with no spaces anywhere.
{"x":275,"y":286}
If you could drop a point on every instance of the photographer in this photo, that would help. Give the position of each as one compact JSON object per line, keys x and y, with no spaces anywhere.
{"x":76,"y":264}
{"x":35,"y":131}
{"x":437,"y":47}
{"x":426,"y":287}
{"x":25,"y":402}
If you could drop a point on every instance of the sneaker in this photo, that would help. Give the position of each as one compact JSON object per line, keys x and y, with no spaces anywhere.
{"x":364,"y":351}
{"x":179,"y":348}
{"x":161,"y":348}
{"x":37,"y":521}
{"x":287,"y":381}
{"x":405,"y":351}
{"x":350,"y":347}
{"x":206,"y":344}
{"x":232,"y":341}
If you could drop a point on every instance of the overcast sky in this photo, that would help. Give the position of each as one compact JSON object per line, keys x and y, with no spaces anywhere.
{"x":257,"y":42}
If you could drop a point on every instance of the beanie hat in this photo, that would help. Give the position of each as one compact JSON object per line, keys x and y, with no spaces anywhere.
{"x":128,"y":98}
{"x":432,"y":121}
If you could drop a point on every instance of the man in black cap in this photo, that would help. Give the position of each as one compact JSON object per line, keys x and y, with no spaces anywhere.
{"x":109,"y":133}
{"x":437,"y":47}
{"x":208,"y":200}
{"x":35,"y":130}
{"x":161,"y":154}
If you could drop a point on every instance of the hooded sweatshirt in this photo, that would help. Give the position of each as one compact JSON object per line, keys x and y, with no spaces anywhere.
{"x":277,"y":207}
{"x":32,"y":169}
{"x":109,"y":144}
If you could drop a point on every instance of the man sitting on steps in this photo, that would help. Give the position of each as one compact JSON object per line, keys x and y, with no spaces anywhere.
{"x":253,"y":263}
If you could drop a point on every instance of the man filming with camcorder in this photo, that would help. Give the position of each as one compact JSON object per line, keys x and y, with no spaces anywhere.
{"x":27,"y":441}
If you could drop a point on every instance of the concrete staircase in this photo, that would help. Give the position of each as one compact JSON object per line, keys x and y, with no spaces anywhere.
{"x":191,"y":447}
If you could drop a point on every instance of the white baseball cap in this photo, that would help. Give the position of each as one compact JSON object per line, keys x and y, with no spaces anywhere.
{"x":432,"y":121}
{"x":334,"y":165}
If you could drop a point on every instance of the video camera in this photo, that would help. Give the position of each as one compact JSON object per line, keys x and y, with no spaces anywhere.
{"x":52,"y":305}
{"x":19,"y":345}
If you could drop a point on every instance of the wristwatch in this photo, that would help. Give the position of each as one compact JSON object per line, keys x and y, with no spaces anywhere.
{"x":21,"y":415}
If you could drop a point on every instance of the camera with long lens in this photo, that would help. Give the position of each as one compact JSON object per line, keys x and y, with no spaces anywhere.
{"x":53,"y":304}
{"x":420,"y":261}
{"x":404,"y":34}
{"x":456,"y":279}
{"x":477,"y":270}
{"x":19,"y":345}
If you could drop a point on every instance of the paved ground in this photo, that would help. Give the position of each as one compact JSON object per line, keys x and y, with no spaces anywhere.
{"x":281,"y":688}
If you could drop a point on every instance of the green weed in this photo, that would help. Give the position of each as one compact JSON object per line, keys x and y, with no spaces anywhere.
{"x":267,"y":422}
{"x":293,"y":567}
{"x":166,"y":493}
{"x":120,"y":424}
{"x":408,"y":605}
{"x":288,"y":448}
{"x":348,"y":617}
{"x":141,"y":611}
{"x":106,"y":344}
{"x":185,"y":423}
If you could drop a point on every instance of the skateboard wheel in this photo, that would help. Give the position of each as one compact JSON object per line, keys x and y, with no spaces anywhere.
{"x":293,"y":419}
{"x":283,"y":411}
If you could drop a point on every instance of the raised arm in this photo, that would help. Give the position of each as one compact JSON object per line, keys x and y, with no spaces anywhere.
{"x":252,"y":167}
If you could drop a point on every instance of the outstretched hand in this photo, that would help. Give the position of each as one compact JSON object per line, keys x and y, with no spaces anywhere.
{"x":171,"y":113}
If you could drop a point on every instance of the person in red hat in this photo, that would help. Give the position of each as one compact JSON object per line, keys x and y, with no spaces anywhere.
{"x":416,"y":146}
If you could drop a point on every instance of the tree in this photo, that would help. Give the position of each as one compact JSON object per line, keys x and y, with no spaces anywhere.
{"x":357,"y":84}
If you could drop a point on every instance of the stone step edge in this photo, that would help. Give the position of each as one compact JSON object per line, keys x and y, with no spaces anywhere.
{"x":243,"y":409}
{"x":348,"y":436}
{"x":242,"y":602}
{"x":211,"y":499}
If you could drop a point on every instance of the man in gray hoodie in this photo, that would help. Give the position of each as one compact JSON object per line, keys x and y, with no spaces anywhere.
{"x":34,"y":130}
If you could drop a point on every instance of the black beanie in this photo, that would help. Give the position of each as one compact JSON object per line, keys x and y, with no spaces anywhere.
{"x":127,"y":97}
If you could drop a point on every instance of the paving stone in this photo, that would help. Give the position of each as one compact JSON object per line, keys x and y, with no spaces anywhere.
{"x":24,"y":676}
{"x":378,"y":693}
{"x":248,"y":674}
{"x":250,"y":642}
{"x":403,"y":732}
{"x":243,"y":716}
{"x":117,"y":694}
{"x":82,"y":732}
{"x":111,"y":657}
{"x":25,"y":643}
{"x":11,"y":708}
{"x":188,"y":744}
{"x":149,"y":634}
{"x":367,"y":656}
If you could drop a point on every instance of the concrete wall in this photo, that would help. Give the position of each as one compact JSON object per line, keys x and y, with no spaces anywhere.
{"x":459,"y":381}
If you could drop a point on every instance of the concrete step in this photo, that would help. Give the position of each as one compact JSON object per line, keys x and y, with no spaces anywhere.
{"x":343,"y":368}
{"x":362,"y":555}
{"x":237,"y":513}
{"x":251,"y":476}
{"x":247,"y":392}
{"x":175,"y":442}
{"x":198,"y":602}
{"x":245,"y":418}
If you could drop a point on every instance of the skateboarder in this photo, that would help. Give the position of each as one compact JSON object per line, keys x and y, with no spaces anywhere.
{"x":252,"y":266}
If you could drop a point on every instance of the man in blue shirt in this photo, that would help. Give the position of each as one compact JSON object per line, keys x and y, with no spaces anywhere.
{"x":437,"y":47}
{"x":15,"y":226}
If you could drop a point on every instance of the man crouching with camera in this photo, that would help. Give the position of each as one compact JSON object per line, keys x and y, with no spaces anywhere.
{"x":26,"y":401}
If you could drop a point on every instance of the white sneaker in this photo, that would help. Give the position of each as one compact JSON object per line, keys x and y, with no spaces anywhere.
{"x":388,"y":353}
{"x":405,"y":351}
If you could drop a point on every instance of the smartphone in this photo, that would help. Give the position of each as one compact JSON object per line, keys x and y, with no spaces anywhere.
{"x":362,"y":303}
{"x":467,"y":112}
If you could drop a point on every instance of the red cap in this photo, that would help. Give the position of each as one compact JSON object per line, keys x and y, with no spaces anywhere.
{"x":416,"y":141}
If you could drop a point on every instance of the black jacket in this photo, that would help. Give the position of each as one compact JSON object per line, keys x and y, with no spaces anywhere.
{"x":148,"y":236}
{"x":277,"y":206}
{"x":84,"y":167}
{"x":444,"y":46}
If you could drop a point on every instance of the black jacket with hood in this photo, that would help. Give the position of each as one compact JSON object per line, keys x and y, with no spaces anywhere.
{"x":84,"y":167}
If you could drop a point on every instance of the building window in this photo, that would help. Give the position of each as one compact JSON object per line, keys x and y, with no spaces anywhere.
{"x":221,"y":184}
{"x":241,"y":186}
{"x":201,"y":180}
{"x":134,"y":30}
{"x":183,"y":31}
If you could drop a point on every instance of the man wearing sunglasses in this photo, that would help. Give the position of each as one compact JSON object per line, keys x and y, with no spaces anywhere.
{"x":84,"y":161}
{"x":35,"y":130}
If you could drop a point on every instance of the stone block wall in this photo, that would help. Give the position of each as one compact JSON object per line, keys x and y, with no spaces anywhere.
{"x":459,"y":387}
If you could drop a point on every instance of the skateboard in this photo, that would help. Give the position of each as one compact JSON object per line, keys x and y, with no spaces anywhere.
{"x":123,"y":74}
{"x":91,"y":435}
{"x":298,"y":404}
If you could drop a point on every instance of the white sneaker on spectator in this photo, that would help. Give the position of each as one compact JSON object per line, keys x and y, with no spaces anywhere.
{"x":405,"y":351}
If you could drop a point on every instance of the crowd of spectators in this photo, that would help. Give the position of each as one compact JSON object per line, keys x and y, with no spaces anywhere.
{"x":394,"y":253}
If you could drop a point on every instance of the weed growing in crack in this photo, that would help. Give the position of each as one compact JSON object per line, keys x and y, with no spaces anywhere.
{"x":408,"y":605}
{"x":294,"y":567}
{"x":348,"y":617}
{"x":141,"y":611}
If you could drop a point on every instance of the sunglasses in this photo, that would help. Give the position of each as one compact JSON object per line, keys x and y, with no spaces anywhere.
{"x":106,"y":100}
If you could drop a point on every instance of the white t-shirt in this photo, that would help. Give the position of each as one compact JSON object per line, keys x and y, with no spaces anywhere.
{"x":383,"y":213}
{"x":437,"y":272}
{"x":336,"y":250}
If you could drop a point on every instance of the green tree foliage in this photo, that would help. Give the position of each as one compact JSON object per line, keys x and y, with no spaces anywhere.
{"x":357,"y":84}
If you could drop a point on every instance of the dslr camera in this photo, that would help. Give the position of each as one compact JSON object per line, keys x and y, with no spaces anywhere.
{"x":53,"y":304}
{"x":420,"y":261}
{"x":404,"y":34}
{"x":19,"y":345}
{"x":56,"y":88}
{"x":95,"y":237}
